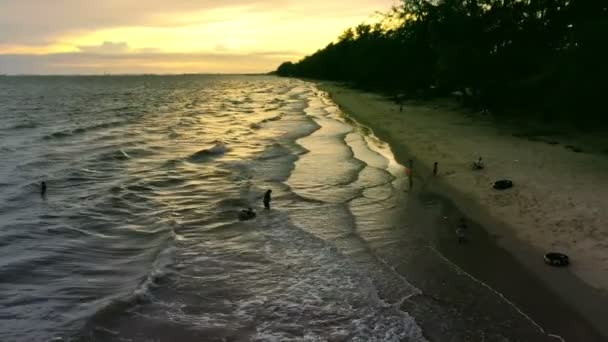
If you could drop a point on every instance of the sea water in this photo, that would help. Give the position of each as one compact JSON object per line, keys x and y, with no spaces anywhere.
{"x":138,"y":234}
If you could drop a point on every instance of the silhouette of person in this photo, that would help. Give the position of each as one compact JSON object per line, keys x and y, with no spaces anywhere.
{"x":410,"y":168}
{"x":267,"y":199}
{"x":42,"y":188}
{"x":461,"y":231}
{"x":435,"y":169}
{"x":409,"y":171}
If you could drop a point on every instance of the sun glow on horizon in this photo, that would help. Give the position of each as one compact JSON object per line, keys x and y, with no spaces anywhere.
{"x":273,"y":34}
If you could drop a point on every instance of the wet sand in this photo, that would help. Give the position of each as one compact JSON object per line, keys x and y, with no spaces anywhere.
{"x":504,"y":255}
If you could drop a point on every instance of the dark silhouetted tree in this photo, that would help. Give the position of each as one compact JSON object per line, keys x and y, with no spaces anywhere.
{"x":543,"y":56}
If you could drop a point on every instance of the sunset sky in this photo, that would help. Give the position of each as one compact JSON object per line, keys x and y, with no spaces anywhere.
{"x":177,"y":36}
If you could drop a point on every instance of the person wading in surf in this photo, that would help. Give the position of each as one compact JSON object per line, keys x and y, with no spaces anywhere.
{"x":267,"y":199}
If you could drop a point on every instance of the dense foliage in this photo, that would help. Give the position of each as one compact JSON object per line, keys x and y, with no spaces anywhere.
{"x":543,"y":56}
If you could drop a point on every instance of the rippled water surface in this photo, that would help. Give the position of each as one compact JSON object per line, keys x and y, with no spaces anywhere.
{"x":138,"y":235}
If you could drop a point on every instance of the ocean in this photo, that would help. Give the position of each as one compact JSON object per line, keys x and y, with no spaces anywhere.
{"x":138,"y":236}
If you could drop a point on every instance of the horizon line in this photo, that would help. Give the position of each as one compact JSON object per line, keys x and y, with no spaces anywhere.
{"x":142,"y":74}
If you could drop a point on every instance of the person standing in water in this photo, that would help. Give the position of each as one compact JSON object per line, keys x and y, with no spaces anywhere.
{"x":267,"y":199}
{"x":42,"y":189}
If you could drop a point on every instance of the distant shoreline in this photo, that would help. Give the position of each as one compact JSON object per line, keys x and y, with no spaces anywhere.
{"x":440,"y":133}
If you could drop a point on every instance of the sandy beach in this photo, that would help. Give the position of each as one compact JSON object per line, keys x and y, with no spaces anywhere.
{"x":557,"y":203}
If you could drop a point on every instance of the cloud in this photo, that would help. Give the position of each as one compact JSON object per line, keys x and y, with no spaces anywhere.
{"x":153,"y":36}
{"x":42,"y":21}
{"x":221,"y":47}
{"x":106,"y":48}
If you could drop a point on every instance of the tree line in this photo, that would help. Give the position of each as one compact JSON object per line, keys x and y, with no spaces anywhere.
{"x":547,"y":57}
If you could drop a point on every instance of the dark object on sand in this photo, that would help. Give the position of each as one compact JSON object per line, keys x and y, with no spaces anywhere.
{"x":246,"y":214}
{"x":574,"y":148}
{"x":42,"y":188}
{"x":435,"y":169}
{"x":503,"y":184}
{"x":557,"y":259}
{"x":267,"y":199}
{"x":478,"y":164}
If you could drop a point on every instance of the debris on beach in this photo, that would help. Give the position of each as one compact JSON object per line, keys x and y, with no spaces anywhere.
{"x":503,"y":184}
{"x":557,"y":259}
{"x":478,"y":164}
{"x":574,"y":148}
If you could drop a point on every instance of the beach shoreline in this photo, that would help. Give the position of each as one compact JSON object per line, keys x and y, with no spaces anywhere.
{"x":566,"y":217}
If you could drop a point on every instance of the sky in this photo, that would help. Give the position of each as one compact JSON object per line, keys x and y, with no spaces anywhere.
{"x":170,"y":36}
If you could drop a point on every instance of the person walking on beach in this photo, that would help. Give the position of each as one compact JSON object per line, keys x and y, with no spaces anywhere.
{"x":461,"y":231}
{"x":409,"y":171}
{"x":267,"y":199}
{"x":410,"y":168}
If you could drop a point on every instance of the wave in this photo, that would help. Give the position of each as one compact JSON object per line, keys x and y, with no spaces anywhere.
{"x":122,"y":154}
{"x":116,"y":307}
{"x":273,"y":118}
{"x":167,"y":182}
{"x":219,"y":148}
{"x":80,"y":130}
{"x":276,"y":150}
{"x":58,"y":135}
{"x":25,"y":125}
{"x":159,"y":269}
{"x":118,"y":154}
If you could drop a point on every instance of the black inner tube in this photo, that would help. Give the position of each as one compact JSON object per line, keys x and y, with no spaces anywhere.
{"x":503,"y":184}
{"x":557,"y":259}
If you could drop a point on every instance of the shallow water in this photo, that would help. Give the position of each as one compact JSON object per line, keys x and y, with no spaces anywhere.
{"x":138,"y":237}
